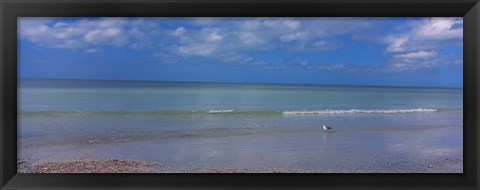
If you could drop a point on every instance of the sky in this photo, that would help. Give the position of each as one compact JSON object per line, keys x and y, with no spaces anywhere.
{"x":341,"y":51}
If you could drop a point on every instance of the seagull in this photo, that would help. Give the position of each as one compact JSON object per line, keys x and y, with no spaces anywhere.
{"x":326,"y":128}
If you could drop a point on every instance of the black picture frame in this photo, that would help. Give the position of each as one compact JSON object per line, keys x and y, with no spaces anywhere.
{"x":10,"y":10}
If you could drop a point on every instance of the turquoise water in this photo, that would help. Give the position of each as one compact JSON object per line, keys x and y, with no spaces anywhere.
{"x":75,"y":95}
{"x":104,"y":118}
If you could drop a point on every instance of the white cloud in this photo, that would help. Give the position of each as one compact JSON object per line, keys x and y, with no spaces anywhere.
{"x":249,"y":38}
{"x":417,"y":55}
{"x":77,"y":34}
{"x":242,"y":41}
{"x":232,"y":41}
{"x":197,"y":50}
{"x":280,"y":23}
{"x":294,"y":36}
{"x":113,"y":36}
{"x":179,"y":32}
{"x":418,"y":48}
{"x":396,"y":44}
{"x":292,"y":24}
{"x":426,"y":34}
{"x":35,"y":32}
{"x":214,"y":37}
{"x":60,"y":24}
{"x":143,"y":33}
{"x":440,"y":29}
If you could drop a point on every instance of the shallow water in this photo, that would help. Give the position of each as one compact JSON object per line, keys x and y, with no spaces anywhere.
{"x":379,"y":129}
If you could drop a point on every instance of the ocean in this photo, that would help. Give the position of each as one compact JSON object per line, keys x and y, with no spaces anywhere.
{"x":240,"y":125}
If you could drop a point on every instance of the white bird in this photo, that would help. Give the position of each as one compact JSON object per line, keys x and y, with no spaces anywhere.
{"x":326,"y":128}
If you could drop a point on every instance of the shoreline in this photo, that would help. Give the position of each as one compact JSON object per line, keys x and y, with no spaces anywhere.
{"x":140,"y":166}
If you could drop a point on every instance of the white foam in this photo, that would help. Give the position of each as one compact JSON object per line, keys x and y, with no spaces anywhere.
{"x":358,"y":111}
{"x":220,"y":111}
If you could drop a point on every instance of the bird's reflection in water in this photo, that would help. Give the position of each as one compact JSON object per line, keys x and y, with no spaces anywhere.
{"x":326,"y":137}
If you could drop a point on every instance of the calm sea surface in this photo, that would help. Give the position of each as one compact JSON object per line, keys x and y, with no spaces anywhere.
{"x":185,"y":124}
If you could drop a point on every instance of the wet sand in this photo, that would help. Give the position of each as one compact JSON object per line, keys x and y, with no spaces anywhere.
{"x":419,"y":151}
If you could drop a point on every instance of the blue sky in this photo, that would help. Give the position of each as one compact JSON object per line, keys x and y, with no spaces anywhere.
{"x":353,"y":51}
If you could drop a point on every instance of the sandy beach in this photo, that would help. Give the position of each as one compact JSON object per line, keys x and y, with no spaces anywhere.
{"x":128,"y":166}
{"x":139,"y":166}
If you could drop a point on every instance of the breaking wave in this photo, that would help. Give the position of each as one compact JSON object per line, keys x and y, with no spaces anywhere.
{"x":221,"y":111}
{"x":358,"y":111}
{"x":232,"y":112}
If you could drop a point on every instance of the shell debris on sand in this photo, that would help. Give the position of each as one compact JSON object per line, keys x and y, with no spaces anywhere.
{"x":91,"y":166}
{"x":452,"y":164}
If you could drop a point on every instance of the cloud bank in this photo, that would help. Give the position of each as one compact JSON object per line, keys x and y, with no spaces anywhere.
{"x":413,"y":46}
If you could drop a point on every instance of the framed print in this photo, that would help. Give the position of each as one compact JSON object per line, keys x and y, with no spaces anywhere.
{"x":228,"y":94}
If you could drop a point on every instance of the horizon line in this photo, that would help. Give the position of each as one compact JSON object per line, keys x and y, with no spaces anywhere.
{"x":265,"y":83}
